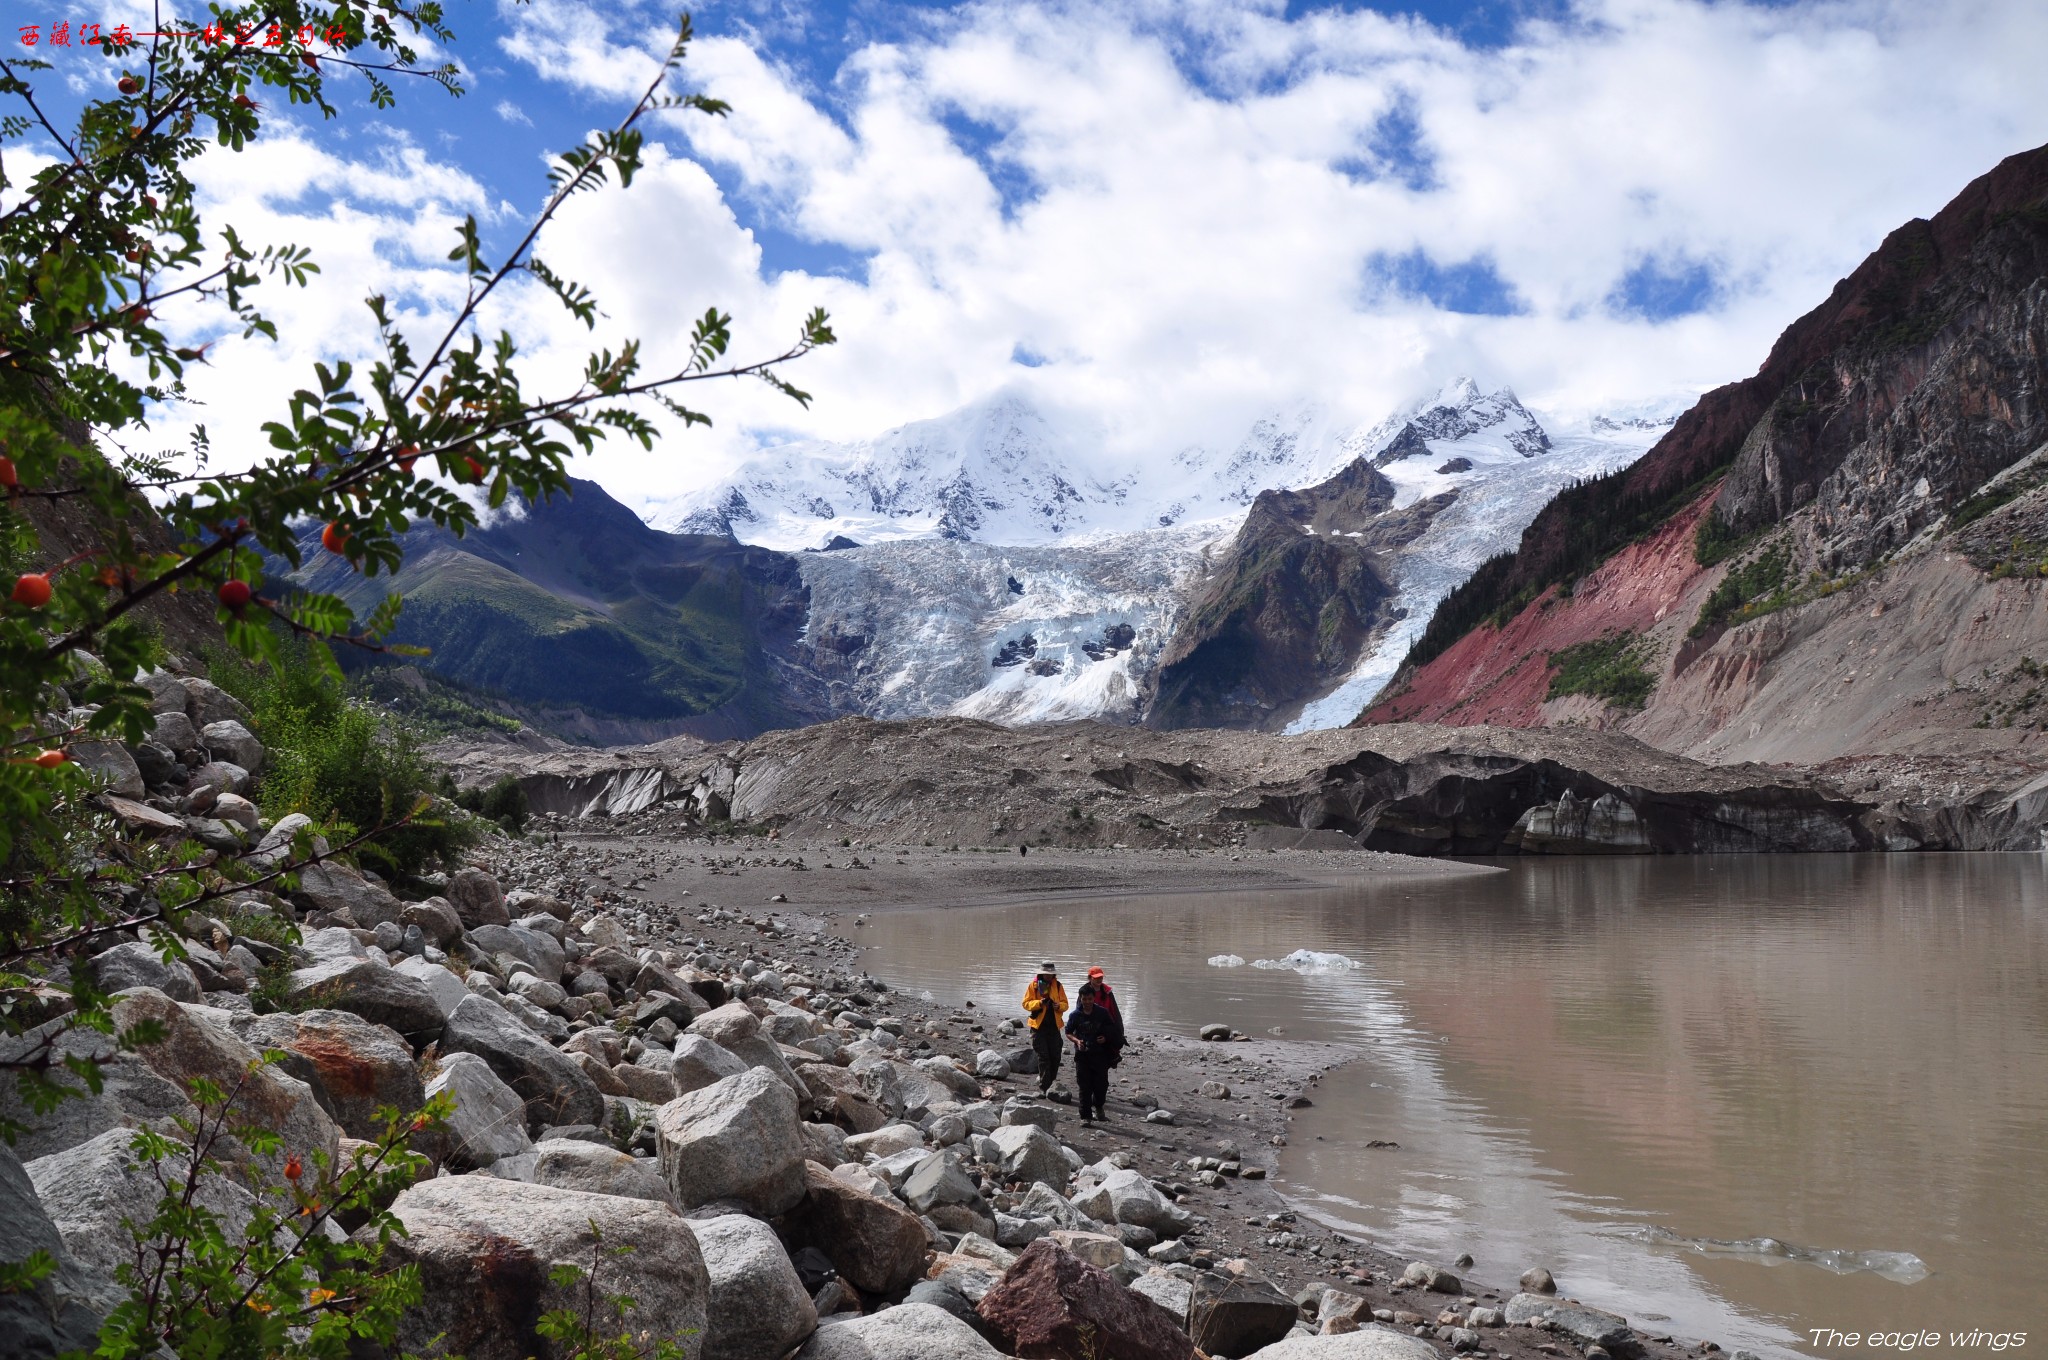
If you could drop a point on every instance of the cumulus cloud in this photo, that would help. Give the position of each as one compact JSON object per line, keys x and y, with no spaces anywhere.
{"x":1170,"y":218}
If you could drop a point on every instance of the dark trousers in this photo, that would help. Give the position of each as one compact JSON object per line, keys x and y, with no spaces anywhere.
{"x":1046,"y":1042}
{"x":1091,"y":1073}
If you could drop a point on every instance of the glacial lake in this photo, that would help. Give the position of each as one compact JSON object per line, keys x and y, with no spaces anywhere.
{"x":1729,"y":1097}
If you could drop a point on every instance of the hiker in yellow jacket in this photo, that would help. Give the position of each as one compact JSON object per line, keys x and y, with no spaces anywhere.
{"x":1045,"y":1001}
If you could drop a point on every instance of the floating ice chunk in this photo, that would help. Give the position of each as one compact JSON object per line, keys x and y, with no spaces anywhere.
{"x":1311,"y":961}
{"x":1901,"y":1267}
{"x":1226,"y":961}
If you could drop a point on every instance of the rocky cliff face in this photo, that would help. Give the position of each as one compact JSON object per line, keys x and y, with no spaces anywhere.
{"x":1834,"y":558}
{"x":1306,"y":583}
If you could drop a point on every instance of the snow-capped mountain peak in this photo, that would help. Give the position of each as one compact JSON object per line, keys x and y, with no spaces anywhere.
{"x":1001,"y":470}
{"x":1459,"y":413}
{"x":998,"y":470}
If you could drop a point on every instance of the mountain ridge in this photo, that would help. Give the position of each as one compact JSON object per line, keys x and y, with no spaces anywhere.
{"x":1856,"y":574}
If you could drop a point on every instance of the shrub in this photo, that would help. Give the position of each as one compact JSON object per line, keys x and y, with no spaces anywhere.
{"x":1609,"y":668}
{"x":341,"y":762}
{"x":280,"y":1285}
{"x":1754,"y":588}
{"x":503,"y":802}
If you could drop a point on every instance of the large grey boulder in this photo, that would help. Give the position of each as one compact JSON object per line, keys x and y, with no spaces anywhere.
{"x":938,"y":1180}
{"x":371,"y":989}
{"x":1586,"y":1326}
{"x":759,"y":1309}
{"x":840,"y":1097}
{"x":167,"y":694}
{"x":1025,"y":1110}
{"x":734,"y":1139}
{"x":477,"y":900}
{"x":1371,"y":1342}
{"x":136,"y":964}
{"x":175,"y":732}
{"x":57,"y":1314}
{"x":436,"y":920}
{"x":1030,"y":1154}
{"x":598,"y":1169}
{"x":230,"y":741}
{"x":758,"y":1050}
{"x":489,"y":1121}
{"x":1042,"y":1201}
{"x":723,"y":1024}
{"x":787,"y":1024}
{"x":964,"y":1087}
{"x":824,"y":1144}
{"x":909,"y":1331}
{"x":554,"y":1088}
{"x":92,"y":1190}
{"x":148,"y":1086}
{"x":447,"y":989}
{"x":331,"y":887}
{"x":280,"y":843}
{"x":1170,"y":1292}
{"x":886,"y":1141}
{"x":698,"y":1062}
{"x":541,"y":952}
{"x":354,"y":1067}
{"x":208,"y":703}
{"x":486,"y":1250}
{"x":222,"y":776}
{"x":903,"y":1089}
{"x":111,"y":761}
{"x":1126,"y":1197}
{"x":1238,"y":1315}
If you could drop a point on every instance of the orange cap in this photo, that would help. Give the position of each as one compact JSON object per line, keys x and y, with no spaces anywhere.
{"x":1095,"y":972}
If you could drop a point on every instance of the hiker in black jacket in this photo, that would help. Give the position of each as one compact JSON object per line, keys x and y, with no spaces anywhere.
{"x":1098,"y":1039}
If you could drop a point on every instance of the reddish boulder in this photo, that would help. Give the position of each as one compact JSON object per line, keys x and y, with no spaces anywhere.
{"x":1052,"y":1305}
{"x":878,"y":1247}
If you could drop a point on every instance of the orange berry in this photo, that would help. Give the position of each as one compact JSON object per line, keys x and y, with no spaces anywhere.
{"x":33,"y":590}
{"x":49,"y":760}
{"x":407,"y":456}
{"x":333,"y":538}
{"x":9,"y":478}
{"x":128,"y":85}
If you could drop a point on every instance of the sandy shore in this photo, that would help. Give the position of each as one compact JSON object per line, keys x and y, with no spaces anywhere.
{"x":822,"y":888}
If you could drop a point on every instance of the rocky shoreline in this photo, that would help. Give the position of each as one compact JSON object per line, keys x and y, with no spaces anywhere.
{"x":805,"y":1162}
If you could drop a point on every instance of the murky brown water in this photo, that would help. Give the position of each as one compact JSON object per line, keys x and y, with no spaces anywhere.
{"x":1601,"y":1065}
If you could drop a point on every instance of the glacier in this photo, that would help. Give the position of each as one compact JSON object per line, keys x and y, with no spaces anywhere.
{"x":989,"y":563}
{"x":1011,"y":634}
{"x":1496,"y":501}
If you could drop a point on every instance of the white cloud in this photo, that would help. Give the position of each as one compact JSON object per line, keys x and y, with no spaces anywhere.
{"x":1196,"y":200}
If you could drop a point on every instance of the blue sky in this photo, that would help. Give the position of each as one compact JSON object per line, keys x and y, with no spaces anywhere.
{"x":1162,"y":217}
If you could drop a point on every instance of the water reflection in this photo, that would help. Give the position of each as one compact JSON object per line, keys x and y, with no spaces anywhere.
{"x":1600,"y":1065}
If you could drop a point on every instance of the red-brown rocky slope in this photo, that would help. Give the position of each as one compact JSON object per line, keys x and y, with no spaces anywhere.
{"x":1839,"y":556}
